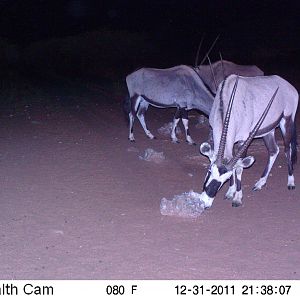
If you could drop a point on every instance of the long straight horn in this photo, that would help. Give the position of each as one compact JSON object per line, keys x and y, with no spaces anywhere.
{"x":223,"y":71}
{"x":207,"y":53}
{"x":212,"y":72}
{"x":252,"y":134}
{"x":198,"y":51}
{"x":226,"y":124}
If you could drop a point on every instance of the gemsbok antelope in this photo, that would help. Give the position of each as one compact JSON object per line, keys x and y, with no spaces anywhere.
{"x":254,"y":107}
{"x":180,"y":87}
{"x":183,"y":87}
{"x":213,"y":74}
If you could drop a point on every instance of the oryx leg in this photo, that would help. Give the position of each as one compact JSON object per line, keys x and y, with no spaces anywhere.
{"x":134,"y":106}
{"x":140,"y":113}
{"x":273,"y":150}
{"x":138,"y":109}
{"x":176,"y":120}
{"x":287,"y":128}
{"x":131,"y":121}
{"x":185,"y":122}
{"x":238,"y":196}
{"x":234,"y":192}
{"x":233,"y":179}
{"x":232,"y":187}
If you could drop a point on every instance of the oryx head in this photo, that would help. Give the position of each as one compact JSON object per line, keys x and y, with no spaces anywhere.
{"x":221,"y":169}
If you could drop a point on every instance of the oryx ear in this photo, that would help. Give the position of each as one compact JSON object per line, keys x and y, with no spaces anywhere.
{"x":245,"y":162}
{"x":206,"y":150}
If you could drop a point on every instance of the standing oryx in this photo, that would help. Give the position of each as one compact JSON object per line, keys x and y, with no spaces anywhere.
{"x":213,"y":74}
{"x":179,"y":87}
{"x":246,"y":118}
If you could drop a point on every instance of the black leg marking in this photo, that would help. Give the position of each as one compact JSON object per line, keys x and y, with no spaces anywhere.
{"x":289,"y":134}
{"x":184,"y":113}
{"x":177,"y":113}
{"x":176,"y":119}
{"x":287,"y":139}
{"x":132,"y":115}
{"x":232,"y":188}
{"x":133,"y":104}
{"x":238,"y":185}
{"x":273,"y":151}
{"x":272,"y":147}
{"x":185,"y":121}
{"x":141,"y":111}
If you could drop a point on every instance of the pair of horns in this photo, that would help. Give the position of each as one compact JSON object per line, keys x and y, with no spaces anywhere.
{"x":207,"y":53}
{"x":238,"y":155}
{"x":206,"y":56}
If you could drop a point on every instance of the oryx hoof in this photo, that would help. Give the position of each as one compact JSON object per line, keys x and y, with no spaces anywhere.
{"x":175,"y":141}
{"x":291,"y":187}
{"x":255,"y":189}
{"x":236,"y":204}
{"x":230,"y":193}
{"x":191,"y":143}
{"x":259,"y":184}
{"x":152,"y":137}
{"x":228,"y":197}
{"x":131,"y":140}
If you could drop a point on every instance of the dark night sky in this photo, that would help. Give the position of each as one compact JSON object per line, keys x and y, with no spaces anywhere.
{"x":27,"y":20}
{"x":242,"y":24}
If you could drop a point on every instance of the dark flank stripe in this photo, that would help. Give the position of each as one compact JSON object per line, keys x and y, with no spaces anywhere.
{"x":157,"y":104}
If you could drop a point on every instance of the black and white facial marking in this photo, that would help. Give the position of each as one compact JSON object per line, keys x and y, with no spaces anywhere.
{"x":219,"y":173}
{"x":215,"y":178}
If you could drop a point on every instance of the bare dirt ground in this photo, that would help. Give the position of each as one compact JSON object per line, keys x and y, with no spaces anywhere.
{"x":78,"y":203}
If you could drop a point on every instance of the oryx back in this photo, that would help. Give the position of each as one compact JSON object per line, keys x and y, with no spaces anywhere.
{"x":179,"y":86}
{"x":252,"y":96}
{"x":215,"y":73}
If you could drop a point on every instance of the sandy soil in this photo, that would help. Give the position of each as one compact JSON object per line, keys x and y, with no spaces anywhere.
{"x":78,"y":203}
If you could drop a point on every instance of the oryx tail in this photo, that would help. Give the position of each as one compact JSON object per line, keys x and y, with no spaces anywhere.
{"x":294,"y":144}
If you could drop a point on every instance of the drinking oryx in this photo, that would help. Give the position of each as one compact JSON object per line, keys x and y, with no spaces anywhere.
{"x":244,"y":120}
{"x":179,"y":87}
{"x":213,"y":74}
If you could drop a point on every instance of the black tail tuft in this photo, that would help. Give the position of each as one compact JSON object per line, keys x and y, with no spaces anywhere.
{"x":294,"y":144}
{"x":126,"y":108}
